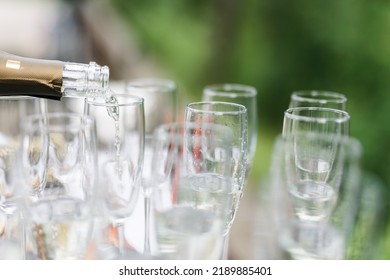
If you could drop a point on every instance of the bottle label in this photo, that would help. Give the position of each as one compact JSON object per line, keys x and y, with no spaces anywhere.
{"x":29,"y":76}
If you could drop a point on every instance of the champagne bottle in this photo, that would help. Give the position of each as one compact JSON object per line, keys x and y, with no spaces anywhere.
{"x":50,"y":79}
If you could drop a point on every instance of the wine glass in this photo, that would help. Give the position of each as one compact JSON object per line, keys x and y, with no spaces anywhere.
{"x":120,"y":146}
{"x":314,"y":156}
{"x":59,"y":163}
{"x":160,"y":108}
{"x":318,"y":98}
{"x":240,"y":94}
{"x":12,"y":111}
{"x":193,"y":195}
{"x":235,"y":117}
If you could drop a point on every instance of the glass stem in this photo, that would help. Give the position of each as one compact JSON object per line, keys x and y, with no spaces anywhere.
{"x":225,"y":247}
{"x":147,"y":225}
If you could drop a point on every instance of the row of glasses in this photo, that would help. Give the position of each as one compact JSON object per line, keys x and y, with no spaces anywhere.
{"x":77,"y":168}
{"x":159,"y":96}
{"x":60,"y":175}
{"x":12,"y":111}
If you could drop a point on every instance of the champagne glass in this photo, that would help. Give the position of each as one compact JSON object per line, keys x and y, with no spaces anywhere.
{"x":120,"y":145}
{"x":12,"y":111}
{"x":235,"y":117}
{"x":318,"y":98}
{"x":193,"y":195}
{"x":240,"y":94}
{"x":160,"y":108}
{"x":61,"y":149}
{"x":314,"y":156}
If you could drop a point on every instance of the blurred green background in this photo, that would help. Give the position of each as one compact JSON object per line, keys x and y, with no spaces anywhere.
{"x":280,"y":46}
{"x":276,"y":46}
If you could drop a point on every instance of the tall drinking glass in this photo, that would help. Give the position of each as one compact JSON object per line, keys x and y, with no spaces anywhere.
{"x":60,"y":202}
{"x":314,"y":156}
{"x":160,"y":108}
{"x":194,"y":195}
{"x":235,"y":117}
{"x":120,"y":145}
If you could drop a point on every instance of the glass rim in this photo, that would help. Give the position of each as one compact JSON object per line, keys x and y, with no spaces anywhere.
{"x":240,"y":109}
{"x":230,"y":90}
{"x":17,"y":97}
{"x":340,"y":116}
{"x":58,"y":115}
{"x":311,"y":96}
{"x":145,"y":83}
{"x":134,"y":100}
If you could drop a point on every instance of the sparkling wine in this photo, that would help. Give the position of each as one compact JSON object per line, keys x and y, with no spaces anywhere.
{"x":313,"y":169}
{"x":213,"y":193}
{"x":312,"y":201}
{"x":188,"y":233}
{"x":113,"y":112}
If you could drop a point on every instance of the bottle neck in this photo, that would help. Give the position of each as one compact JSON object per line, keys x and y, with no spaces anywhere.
{"x":80,"y":80}
{"x":50,"y":78}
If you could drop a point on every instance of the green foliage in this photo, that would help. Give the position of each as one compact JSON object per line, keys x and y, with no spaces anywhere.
{"x":279,"y":46}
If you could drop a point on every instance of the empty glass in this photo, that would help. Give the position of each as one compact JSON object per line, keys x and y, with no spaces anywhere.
{"x":314,"y":158}
{"x":160,"y":108}
{"x":159,"y":100}
{"x":240,"y":94}
{"x":60,"y":202}
{"x":120,"y":146}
